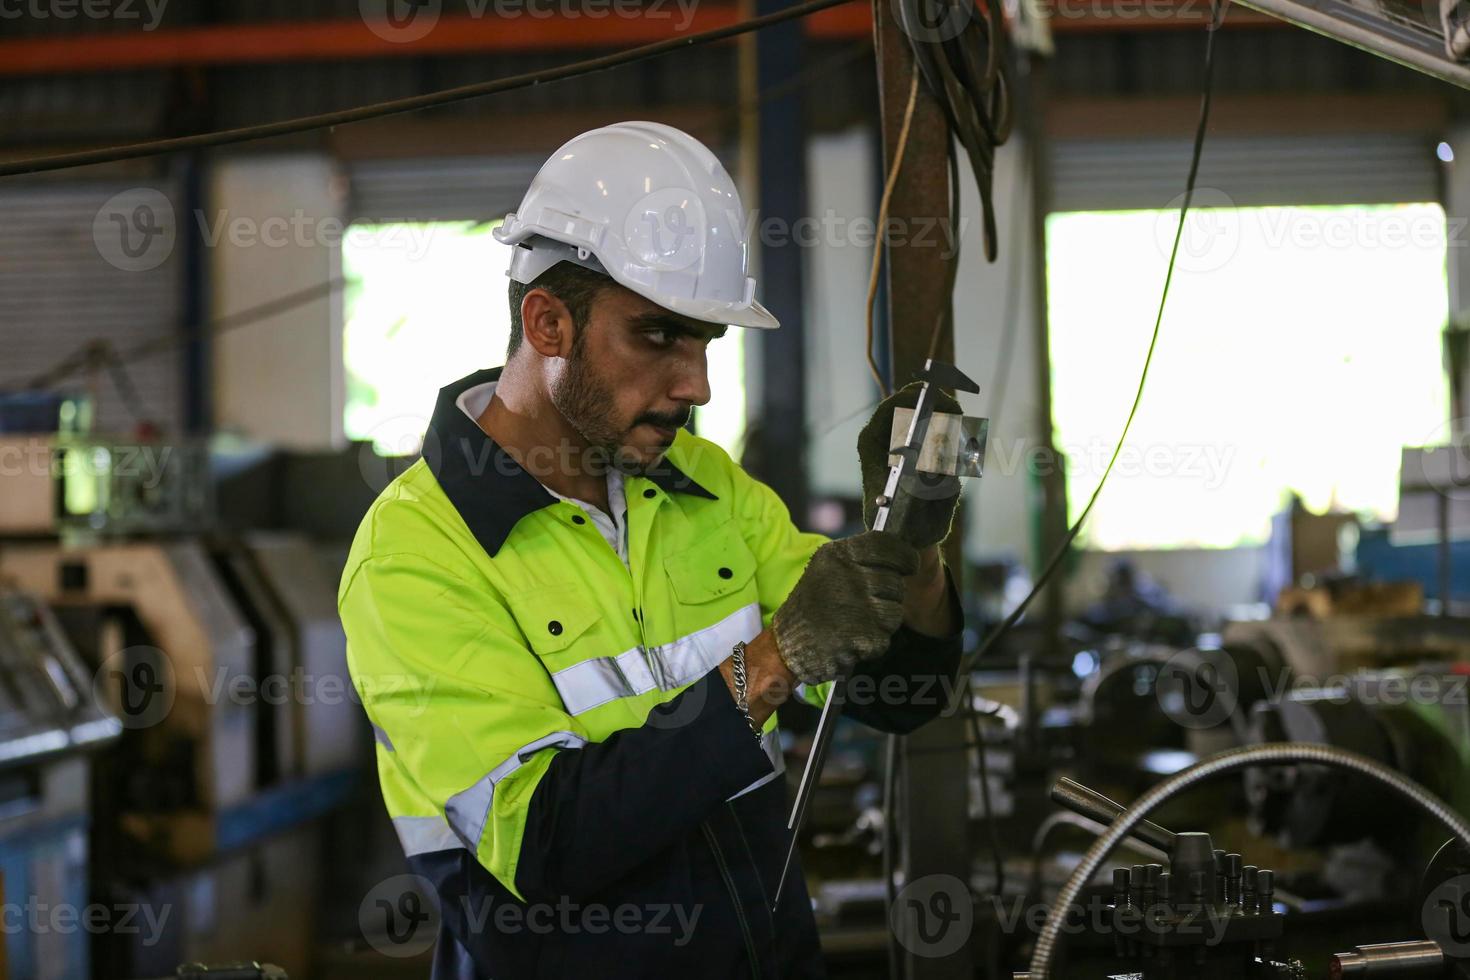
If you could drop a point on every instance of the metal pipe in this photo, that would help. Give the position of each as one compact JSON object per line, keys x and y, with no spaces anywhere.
{"x":1273,"y":753}
{"x":1091,"y":804}
{"x":1420,"y":958}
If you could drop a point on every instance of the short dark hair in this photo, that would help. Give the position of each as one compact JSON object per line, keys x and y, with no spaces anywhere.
{"x":573,"y":284}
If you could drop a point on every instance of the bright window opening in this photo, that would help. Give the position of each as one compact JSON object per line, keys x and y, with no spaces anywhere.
{"x":1300,"y":350}
{"x":427,"y":305}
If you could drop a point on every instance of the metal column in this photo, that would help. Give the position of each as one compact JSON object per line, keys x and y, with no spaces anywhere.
{"x":934,"y":782}
{"x":781,"y":200}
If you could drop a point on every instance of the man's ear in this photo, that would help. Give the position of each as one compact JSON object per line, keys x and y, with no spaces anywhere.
{"x":546,"y":324}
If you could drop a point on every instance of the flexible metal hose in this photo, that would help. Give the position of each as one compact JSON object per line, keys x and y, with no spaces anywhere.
{"x":1269,"y":754}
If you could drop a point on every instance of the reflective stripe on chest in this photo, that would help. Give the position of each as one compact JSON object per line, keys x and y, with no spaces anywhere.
{"x":670,"y":666}
{"x":691,"y":596}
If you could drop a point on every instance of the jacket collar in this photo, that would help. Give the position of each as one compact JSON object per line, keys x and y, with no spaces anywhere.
{"x":491,"y":491}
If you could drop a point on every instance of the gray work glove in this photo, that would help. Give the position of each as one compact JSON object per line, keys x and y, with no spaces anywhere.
{"x":846,"y":606}
{"x":932,"y":498}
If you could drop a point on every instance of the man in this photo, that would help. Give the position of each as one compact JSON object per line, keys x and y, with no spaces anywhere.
{"x":572,"y":621}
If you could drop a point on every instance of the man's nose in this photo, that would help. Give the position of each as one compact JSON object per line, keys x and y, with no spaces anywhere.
{"x":691,"y":384}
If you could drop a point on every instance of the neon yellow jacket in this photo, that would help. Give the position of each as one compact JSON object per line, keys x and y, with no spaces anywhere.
{"x":551,"y":728}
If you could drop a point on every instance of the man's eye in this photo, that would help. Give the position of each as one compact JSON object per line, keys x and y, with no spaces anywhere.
{"x":659,"y":338}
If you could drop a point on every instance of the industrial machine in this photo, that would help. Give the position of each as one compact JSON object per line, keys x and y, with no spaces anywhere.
{"x":217,"y":668}
{"x":1205,"y":913}
{"x":1291,"y":867}
{"x":51,"y":725}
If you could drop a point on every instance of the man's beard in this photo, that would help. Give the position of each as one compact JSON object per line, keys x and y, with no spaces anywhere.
{"x":586,"y":402}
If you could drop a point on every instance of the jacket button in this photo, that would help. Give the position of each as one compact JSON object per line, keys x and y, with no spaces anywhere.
{"x":554,"y":628}
{"x":725,"y":573}
{"x":578,"y":519}
{"x":650,"y":493}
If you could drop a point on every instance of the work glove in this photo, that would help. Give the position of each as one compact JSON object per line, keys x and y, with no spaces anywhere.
{"x":933,"y":497}
{"x":845,"y":607}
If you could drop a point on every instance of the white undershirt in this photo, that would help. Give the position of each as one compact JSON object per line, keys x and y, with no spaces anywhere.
{"x":613,"y":527}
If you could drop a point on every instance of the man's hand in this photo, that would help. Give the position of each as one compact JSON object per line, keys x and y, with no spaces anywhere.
{"x":933,"y":497}
{"x":846,"y":606}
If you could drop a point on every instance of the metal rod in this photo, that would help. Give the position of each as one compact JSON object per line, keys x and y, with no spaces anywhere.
{"x":1418,"y":958}
{"x":1090,"y":803}
{"x":810,"y":776}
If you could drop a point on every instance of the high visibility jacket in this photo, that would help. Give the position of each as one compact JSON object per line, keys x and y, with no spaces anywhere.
{"x":562,"y":760}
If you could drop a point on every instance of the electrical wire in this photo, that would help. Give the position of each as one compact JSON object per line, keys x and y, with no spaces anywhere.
{"x":888,"y":184}
{"x":966,"y":66}
{"x":122,"y":383}
{"x":412,"y":103}
{"x":1189,"y":186}
{"x":79,"y":359}
{"x":946,"y":315}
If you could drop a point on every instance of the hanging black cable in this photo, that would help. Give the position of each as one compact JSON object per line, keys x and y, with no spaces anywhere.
{"x":964,"y":60}
{"x":412,"y":103}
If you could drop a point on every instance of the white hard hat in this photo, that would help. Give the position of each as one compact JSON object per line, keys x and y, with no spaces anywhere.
{"x":649,"y":206}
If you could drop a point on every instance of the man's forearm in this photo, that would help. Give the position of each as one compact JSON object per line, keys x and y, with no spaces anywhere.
{"x":927,"y":606}
{"x":768,"y":681}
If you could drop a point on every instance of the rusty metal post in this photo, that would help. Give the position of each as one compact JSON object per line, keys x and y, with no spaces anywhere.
{"x":934,"y":846}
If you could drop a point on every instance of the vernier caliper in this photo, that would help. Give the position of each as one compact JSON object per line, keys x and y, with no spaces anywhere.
{"x":957,"y":449}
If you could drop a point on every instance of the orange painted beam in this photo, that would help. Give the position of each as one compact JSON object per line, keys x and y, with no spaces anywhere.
{"x":548,"y":29}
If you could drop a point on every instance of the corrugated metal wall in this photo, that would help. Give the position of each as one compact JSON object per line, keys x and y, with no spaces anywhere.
{"x":87,"y":260}
{"x":1118,"y":174}
{"x":445,"y":189}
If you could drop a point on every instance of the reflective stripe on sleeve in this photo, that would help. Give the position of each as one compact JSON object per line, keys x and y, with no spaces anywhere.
{"x":381,"y":737}
{"x":425,"y":835}
{"x":469,"y":810}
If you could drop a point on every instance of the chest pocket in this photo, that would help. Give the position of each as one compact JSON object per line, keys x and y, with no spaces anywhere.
{"x":554,"y":618}
{"x":719,"y":565}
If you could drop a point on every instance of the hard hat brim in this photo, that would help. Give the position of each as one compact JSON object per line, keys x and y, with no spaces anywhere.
{"x":755,"y":315}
